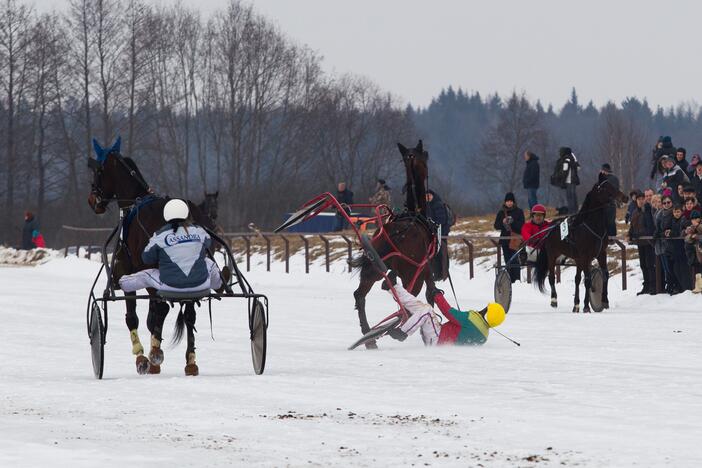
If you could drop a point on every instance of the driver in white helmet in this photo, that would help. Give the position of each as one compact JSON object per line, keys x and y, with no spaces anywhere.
{"x":180,"y":250}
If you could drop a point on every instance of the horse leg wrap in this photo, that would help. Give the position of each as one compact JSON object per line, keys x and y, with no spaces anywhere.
{"x":137,"y":348}
{"x":156,"y":354}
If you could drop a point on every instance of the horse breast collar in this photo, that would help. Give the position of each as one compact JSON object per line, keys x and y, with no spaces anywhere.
{"x":134,"y":211}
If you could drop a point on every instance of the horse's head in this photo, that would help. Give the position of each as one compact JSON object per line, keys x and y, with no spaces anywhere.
{"x":417,"y":169}
{"x":114,"y":177}
{"x":606,"y":190}
{"x":211,"y":204}
{"x":415,"y":159}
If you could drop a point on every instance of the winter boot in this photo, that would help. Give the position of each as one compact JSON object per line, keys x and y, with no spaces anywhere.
{"x":698,"y":284}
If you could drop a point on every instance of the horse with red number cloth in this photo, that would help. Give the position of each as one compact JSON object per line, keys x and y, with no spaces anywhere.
{"x":406,"y":241}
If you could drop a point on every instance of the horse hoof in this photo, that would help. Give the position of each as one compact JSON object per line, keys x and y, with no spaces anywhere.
{"x":586,"y":310}
{"x":191,"y":370}
{"x":576,"y":309}
{"x":142,"y":365}
{"x":156,"y":356}
{"x":554,"y":303}
{"x":154,"y":369}
{"x":605,"y":305}
{"x":372,"y":345}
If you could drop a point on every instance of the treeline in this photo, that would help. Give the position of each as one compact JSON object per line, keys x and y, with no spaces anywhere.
{"x":224,"y":103}
{"x":477,"y":143}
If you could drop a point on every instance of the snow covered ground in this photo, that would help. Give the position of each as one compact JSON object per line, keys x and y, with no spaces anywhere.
{"x":619,"y":388}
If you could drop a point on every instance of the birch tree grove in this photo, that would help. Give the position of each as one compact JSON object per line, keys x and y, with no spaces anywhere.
{"x":226,"y":103}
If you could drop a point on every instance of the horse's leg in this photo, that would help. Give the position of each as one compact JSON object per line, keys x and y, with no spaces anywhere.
{"x":588,"y":284}
{"x":189,"y":317}
{"x":602,"y":262}
{"x":552,"y":280}
{"x":576,"y":303}
{"x":431,"y":286}
{"x":157,"y":315}
{"x":359,"y":296}
{"x":132,"y":319}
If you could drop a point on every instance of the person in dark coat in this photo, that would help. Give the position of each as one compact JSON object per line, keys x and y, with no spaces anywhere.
{"x":436,"y":211}
{"x":642,"y":226}
{"x":696,"y":181}
{"x":568,"y":165}
{"x":680,"y":155}
{"x":509,"y":220}
{"x":345,"y":197}
{"x":673,"y":176}
{"x":676,"y":249}
{"x":31,"y":225}
{"x":530,"y":180}
{"x":664,"y":147}
{"x":611,"y":211}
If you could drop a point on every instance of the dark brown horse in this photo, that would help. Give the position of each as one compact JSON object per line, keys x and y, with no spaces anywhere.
{"x":117,"y":179}
{"x":587,"y":240}
{"x":411,"y":236}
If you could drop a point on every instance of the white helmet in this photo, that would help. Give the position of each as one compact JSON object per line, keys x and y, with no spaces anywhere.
{"x":175,"y":209}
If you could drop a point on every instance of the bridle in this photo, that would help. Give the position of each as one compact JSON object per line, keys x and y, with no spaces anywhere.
{"x":96,"y":188}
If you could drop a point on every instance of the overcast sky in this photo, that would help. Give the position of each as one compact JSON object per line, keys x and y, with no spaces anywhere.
{"x":607,"y":49}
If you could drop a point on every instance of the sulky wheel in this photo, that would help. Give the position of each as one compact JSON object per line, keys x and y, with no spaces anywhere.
{"x":596,"y":288}
{"x":258,"y":326}
{"x":96,"y":331}
{"x":503,"y":289}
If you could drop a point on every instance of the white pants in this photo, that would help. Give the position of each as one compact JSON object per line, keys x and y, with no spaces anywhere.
{"x":422,"y":317}
{"x":152,"y":279}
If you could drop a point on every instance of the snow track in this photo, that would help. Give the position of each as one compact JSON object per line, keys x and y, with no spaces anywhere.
{"x":619,"y":388}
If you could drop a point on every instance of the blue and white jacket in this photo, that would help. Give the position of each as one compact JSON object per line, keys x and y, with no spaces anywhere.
{"x":180,"y":255}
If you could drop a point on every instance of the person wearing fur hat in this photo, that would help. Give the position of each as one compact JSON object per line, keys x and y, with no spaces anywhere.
{"x":381,"y":195}
{"x":509,"y":221}
{"x":664,"y":147}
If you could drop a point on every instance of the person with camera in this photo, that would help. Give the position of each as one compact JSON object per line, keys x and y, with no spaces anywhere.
{"x":509,"y":221}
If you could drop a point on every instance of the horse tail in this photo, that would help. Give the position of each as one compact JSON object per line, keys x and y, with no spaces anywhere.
{"x":359,"y":261}
{"x":541,"y":270}
{"x":178,"y":328}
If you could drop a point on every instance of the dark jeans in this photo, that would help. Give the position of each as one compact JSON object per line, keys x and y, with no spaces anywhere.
{"x":671,"y":282}
{"x":340,"y":223}
{"x":440,"y":262}
{"x":647,"y":260}
{"x":532,"y":197}
{"x":508,"y":253}
{"x":682,"y":272}
{"x":572,"y":198}
{"x":611,"y":212}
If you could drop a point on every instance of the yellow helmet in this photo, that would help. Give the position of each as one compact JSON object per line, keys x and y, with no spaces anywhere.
{"x":495,"y":314}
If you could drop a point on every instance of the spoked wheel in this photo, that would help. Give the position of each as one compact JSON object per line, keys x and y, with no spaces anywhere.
{"x":96,"y":331}
{"x":596,"y":288}
{"x":376,"y":332}
{"x":503,"y":289}
{"x":258,"y":326}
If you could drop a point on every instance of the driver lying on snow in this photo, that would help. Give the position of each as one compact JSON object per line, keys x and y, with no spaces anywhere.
{"x":462,"y":328}
{"x":180,"y":250}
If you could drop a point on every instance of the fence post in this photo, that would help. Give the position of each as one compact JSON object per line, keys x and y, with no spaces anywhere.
{"x":268,"y":251}
{"x":286,"y":241}
{"x":65,"y":252}
{"x":326,"y":250}
{"x":497,"y":248}
{"x":349,"y":250}
{"x":247,"y":241}
{"x":470,"y":257}
{"x":623,"y":247}
{"x":78,"y":251}
{"x":307,"y":253}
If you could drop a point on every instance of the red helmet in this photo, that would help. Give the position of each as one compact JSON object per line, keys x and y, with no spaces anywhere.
{"x":538,"y":208}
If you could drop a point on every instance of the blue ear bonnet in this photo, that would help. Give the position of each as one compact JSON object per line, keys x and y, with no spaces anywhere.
{"x":101,"y":153}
